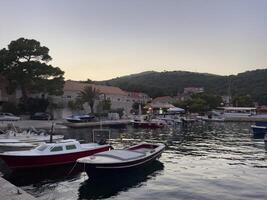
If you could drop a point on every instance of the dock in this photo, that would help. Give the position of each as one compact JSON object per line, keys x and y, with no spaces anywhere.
{"x":9,"y":191}
{"x":98,"y":123}
{"x":246,"y":119}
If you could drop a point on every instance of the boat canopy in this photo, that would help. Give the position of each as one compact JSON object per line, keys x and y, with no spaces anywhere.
{"x":176,"y":110}
{"x":237,"y":108}
{"x":159,"y":105}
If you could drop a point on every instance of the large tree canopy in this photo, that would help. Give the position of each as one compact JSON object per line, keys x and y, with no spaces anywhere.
{"x":24,"y":64}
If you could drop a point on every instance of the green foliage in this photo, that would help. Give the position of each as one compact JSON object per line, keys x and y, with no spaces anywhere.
{"x":24,"y":64}
{"x":89,"y":81}
{"x":88,"y":95}
{"x":201,"y":102}
{"x":243,"y":101}
{"x":33,"y":105}
{"x":169,"y":83}
{"x":104,"y":105}
{"x":10,"y":108}
{"x":76,"y":105}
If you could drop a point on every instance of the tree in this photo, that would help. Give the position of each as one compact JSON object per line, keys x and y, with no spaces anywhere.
{"x":104,"y":105}
{"x":76,"y":105}
{"x":243,"y":101}
{"x":24,"y":64}
{"x":89,"y":95}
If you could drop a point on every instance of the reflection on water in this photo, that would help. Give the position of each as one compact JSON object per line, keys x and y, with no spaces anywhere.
{"x":201,"y":161}
{"x":115,"y":183}
{"x":48,"y":174}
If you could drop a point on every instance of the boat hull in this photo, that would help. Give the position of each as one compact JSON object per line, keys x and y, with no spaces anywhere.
{"x":259,"y":131}
{"x":97,"y":170}
{"x":26,"y":162}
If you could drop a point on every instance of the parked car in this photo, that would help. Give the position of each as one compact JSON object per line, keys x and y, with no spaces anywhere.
{"x":8,"y":117}
{"x":41,"y":116}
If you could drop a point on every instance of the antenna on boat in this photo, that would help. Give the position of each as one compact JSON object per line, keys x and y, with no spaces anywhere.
{"x":51,"y":132}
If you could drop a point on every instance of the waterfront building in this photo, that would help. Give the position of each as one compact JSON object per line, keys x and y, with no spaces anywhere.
{"x":117,"y":97}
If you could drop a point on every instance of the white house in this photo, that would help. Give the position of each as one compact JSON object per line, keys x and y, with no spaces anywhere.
{"x":118,"y":97}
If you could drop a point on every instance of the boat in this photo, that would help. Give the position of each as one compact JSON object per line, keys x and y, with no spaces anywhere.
{"x":51,"y":154}
{"x":13,"y":141}
{"x":259,"y":129}
{"x":121,"y":160}
{"x":28,"y":138}
{"x":79,"y":118}
{"x":239,"y":114}
{"x":15,"y":146}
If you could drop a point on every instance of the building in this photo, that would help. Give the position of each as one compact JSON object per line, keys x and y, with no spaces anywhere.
{"x":164,"y":100}
{"x":139,"y":97}
{"x":118,"y":97}
{"x":193,"y":90}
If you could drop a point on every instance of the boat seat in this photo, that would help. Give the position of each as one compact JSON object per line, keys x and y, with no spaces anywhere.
{"x":122,"y":154}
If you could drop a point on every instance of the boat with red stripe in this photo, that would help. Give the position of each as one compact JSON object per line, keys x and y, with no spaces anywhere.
{"x":51,"y":154}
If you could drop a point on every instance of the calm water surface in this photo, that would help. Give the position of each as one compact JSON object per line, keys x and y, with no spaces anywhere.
{"x":203,"y":161}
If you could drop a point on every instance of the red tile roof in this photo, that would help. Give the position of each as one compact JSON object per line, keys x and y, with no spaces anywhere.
{"x":103,"y":89}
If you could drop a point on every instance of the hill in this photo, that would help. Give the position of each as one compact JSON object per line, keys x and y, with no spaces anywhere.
{"x":155,"y":84}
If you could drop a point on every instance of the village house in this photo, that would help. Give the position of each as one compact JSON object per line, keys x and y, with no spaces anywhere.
{"x":193,"y":90}
{"x":118,"y":97}
{"x":164,"y":99}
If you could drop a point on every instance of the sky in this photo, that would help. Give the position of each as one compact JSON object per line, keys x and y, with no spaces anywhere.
{"x":103,"y":39}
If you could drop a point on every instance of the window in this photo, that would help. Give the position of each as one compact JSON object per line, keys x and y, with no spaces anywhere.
{"x":69,"y":97}
{"x":70,"y":147}
{"x":42,"y":147}
{"x":58,"y":148}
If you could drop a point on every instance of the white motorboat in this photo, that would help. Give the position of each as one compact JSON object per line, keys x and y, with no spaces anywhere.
{"x":51,"y":154}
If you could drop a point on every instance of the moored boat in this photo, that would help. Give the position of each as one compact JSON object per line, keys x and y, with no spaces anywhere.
{"x":51,"y":154}
{"x":259,"y":131}
{"x":79,"y":118}
{"x":121,"y":160}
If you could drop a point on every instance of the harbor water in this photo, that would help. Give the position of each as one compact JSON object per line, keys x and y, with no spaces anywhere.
{"x":201,"y":161}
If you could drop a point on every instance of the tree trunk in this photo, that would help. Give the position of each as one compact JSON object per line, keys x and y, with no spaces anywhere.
{"x":92,"y":107}
{"x":24,"y":93}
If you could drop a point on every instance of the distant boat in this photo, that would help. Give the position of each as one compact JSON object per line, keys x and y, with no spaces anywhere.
{"x":51,"y":154}
{"x":117,"y":161}
{"x":79,"y":118}
{"x":259,"y":129}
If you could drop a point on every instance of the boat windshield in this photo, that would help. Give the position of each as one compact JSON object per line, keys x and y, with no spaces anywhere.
{"x":42,"y":147}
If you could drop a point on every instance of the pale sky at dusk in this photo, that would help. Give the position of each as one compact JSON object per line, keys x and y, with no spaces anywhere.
{"x":105,"y":39}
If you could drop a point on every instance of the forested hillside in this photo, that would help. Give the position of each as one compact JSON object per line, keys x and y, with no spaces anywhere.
{"x":252,"y":83}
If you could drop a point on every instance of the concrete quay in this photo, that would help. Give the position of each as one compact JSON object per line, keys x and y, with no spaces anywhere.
{"x":98,"y":123}
{"x":9,"y":191}
{"x":38,"y":124}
